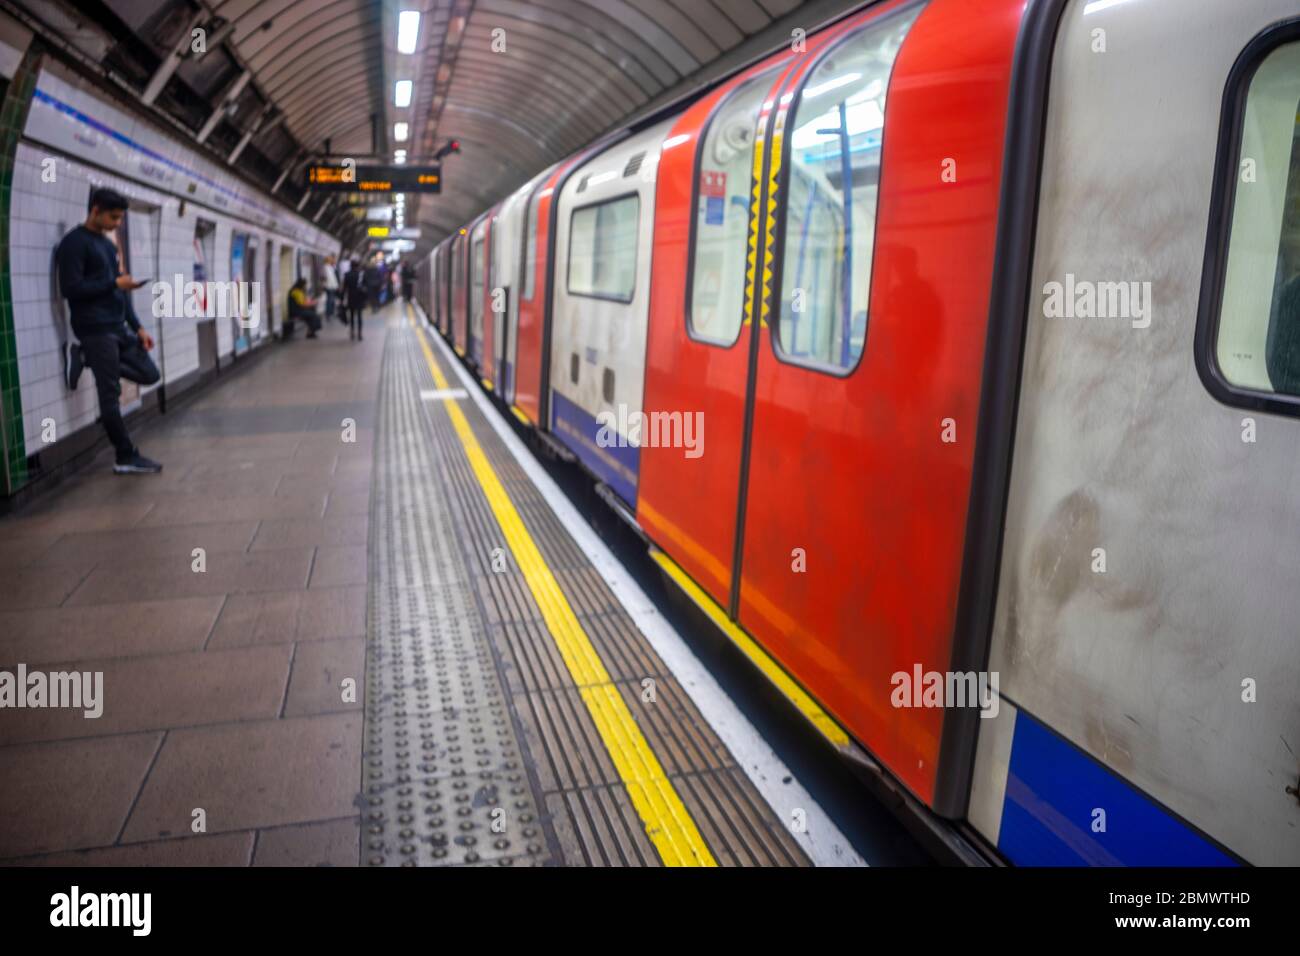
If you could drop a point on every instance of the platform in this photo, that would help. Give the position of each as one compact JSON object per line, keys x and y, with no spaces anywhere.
{"x":507,"y":709}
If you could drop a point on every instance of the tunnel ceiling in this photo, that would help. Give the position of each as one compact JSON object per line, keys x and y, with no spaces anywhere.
{"x":518,"y":84}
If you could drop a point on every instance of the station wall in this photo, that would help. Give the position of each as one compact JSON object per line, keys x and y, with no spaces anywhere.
{"x":184,"y":207}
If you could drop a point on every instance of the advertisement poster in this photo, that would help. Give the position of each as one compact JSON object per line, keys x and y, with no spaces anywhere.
{"x":238,"y":245}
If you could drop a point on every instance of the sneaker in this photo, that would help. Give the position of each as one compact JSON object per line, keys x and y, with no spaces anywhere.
{"x":136,"y":464}
{"x":73,"y":364}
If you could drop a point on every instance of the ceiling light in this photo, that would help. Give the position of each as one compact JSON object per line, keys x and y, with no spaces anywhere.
{"x":402,"y":93}
{"x":399,"y":131}
{"x":408,"y":30}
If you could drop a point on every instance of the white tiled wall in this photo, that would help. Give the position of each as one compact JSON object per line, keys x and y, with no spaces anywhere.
{"x":43,"y":212}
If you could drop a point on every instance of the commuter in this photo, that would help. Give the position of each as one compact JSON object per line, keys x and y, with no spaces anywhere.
{"x":354,"y":299}
{"x":302,"y":309}
{"x":408,"y":279}
{"x":331,"y":289}
{"x":111,"y":342}
{"x":375,"y":278}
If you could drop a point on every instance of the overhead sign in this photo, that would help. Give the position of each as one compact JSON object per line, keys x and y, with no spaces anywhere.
{"x":350,"y":178}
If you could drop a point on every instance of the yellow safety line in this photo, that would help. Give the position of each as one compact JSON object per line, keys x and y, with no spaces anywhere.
{"x":667,"y":822}
{"x":774,"y":672}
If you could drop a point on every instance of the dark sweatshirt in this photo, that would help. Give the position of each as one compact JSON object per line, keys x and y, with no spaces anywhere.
{"x":88,"y":280}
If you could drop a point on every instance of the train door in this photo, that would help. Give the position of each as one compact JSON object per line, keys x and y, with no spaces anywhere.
{"x":436,"y":288}
{"x":489,"y":369}
{"x":532,"y":348}
{"x":698,"y":366}
{"x":530,"y":309}
{"x":459,"y":283}
{"x":447,"y":268}
{"x":477,"y":280}
{"x":867,"y":376}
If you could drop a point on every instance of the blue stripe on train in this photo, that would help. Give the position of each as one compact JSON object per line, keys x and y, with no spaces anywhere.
{"x":617,"y":465}
{"x":1053,"y":791}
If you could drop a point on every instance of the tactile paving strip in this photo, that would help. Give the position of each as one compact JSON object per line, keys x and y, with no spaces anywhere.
{"x":444,"y":780}
{"x":588,"y":808}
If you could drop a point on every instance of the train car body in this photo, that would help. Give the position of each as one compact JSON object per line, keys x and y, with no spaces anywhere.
{"x":458,"y":292}
{"x":946,"y":365}
{"x":1145,"y":628}
{"x":511,"y":240}
{"x":601,"y":305}
{"x":479,"y":292}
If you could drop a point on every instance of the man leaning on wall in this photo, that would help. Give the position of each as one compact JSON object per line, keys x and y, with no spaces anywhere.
{"x":110,"y":339}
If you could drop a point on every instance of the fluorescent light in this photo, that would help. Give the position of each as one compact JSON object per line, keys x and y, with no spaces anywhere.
{"x":399,"y":156}
{"x":402,"y":93}
{"x":829,"y":85}
{"x":399,"y":131}
{"x":408,"y":30}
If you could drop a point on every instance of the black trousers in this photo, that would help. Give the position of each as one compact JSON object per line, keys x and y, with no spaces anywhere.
{"x":356,"y":315}
{"x":307,"y":317}
{"x":113,"y":356}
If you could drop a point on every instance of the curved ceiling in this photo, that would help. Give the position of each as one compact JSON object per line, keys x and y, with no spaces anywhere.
{"x":519,"y":83}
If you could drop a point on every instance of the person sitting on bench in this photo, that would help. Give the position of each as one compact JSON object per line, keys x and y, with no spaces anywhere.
{"x":302,"y":309}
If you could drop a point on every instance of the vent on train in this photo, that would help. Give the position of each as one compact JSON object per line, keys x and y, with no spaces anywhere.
{"x":573,"y":367}
{"x":633,"y":164}
{"x":607,"y":386}
{"x":582,"y":183}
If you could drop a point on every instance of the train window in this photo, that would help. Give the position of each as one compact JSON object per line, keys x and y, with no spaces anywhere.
{"x":1258,"y":337}
{"x":833,"y":139}
{"x":602,"y":248}
{"x":721,"y":237}
{"x":530,"y":246}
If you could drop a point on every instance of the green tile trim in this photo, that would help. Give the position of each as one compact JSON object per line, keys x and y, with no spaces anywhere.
{"x":13,"y":109}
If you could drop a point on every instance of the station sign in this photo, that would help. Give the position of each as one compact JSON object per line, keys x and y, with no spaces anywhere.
{"x":384,"y":232}
{"x":351,"y":178}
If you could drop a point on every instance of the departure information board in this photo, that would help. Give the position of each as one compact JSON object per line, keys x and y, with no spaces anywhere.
{"x":349,"y":178}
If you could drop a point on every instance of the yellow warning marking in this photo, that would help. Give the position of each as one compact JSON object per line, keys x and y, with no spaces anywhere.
{"x":487,"y":383}
{"x":667,"y":822}
{"x":774,"y":672}
{"x":769,"y":236}
{"x":519,"y":414}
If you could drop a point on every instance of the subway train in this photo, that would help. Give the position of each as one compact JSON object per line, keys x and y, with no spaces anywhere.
{"x":943,"y":359}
